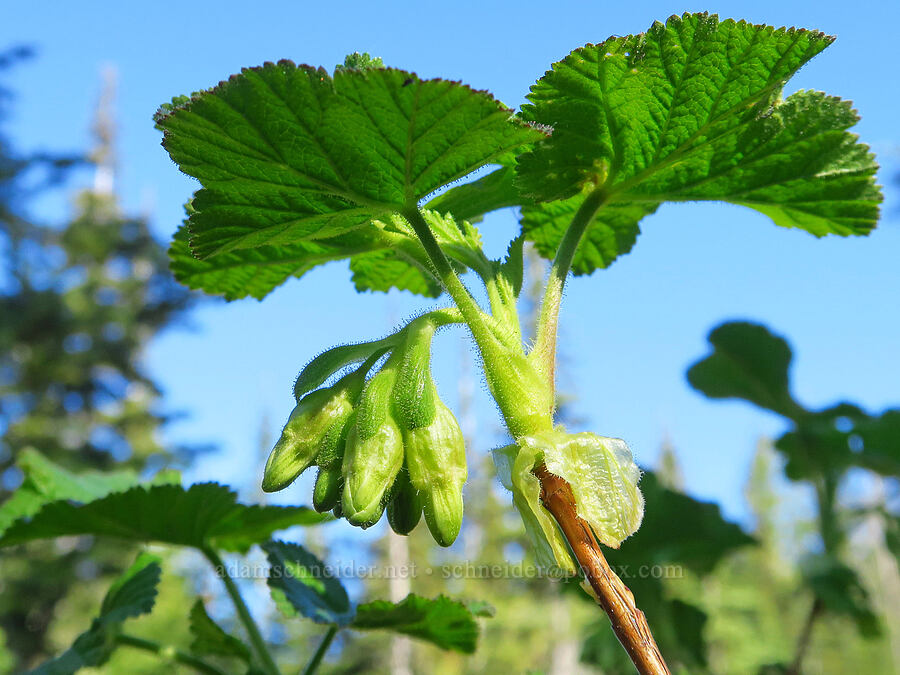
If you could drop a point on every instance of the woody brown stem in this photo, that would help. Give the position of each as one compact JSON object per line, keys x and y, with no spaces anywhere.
{"x":628,"y":622}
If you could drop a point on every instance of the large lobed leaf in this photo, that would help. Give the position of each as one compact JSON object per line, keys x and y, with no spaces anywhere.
{"x":691,"y":110}
{"x":287,"y":155}
{"x":205,"y":514}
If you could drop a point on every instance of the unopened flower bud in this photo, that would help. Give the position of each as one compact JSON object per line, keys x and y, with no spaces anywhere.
{"x":374,"y":452}
{"x":436,"y":457}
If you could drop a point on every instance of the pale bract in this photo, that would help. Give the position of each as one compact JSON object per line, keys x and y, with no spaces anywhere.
{"x":604,"y":480}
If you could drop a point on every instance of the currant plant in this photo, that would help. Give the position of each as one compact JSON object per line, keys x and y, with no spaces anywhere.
{"x":299,"y":167}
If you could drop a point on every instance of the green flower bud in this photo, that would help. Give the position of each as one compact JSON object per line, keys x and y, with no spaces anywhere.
{"x":327,"y":491}
{"x":436,"y":457}
{"x":316,"y":423}
{"x":405,"y":508}
{"x":374,"y":452}
{"x":415,"y":398}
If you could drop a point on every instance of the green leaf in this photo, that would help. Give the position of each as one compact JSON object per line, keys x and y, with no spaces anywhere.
{"x":612,"y":233}
{"x":302,"y":585}
{"x":382,"y":256}
{"x":45,"y":481}
{"x":879,"y":450}
{"x":692,"y":110}
{"x":285,"y":153}
{"x":678,"y":532}
{"x":750,"y":363}
{"x":441,"y":621}
{"x":512,"y":270}
{"x":131,"y":595}
{"x":678,"y":529}
{"x":360,"y":61}
{"x":840,"y":437}
{"x":840,"y":590}
{"x":471,"y":201}
{"x":206,"y":514}
{"x":211,"y":640}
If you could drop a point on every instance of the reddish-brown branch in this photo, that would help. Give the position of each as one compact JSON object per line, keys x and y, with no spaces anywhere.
{"x":628,"y":622}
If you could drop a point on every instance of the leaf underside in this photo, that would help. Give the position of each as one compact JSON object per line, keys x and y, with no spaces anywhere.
{"x":301,"y":584}
{"x":691,"y":110}
{"x":289,"y":156}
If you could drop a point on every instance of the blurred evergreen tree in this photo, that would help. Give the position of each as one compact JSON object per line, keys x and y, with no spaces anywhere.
{"x":78,"y":305}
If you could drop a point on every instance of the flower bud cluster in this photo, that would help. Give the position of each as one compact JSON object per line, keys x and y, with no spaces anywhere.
{"x":386,"y":444}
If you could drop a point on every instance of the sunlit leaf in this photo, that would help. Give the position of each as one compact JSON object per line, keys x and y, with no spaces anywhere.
{"x":692,"y":110}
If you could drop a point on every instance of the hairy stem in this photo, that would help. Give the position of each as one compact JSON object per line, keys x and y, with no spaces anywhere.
{"x":168,"y":652}
{"x":256,"y":638}
{"x":628,"y":622}
{"x":316,"y":659}
{"x":455,"y":287}
{"x":805,"y":637}
{"x":544,"y":352}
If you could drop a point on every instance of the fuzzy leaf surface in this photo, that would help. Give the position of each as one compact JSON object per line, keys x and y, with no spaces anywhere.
{"x":287,"y":153}
{"x":692,"y":110}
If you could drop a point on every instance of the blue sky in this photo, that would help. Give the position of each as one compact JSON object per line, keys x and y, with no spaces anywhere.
{"x":628,"y":333}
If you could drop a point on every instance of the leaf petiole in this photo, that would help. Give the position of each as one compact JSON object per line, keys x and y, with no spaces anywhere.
{"x":543,"y":355}
{"x":316,"y":659}
{"x":168,"y":652}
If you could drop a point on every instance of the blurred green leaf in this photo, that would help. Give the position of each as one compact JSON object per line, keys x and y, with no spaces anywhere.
{"x":211,"y":640}
{"x":131,"y":595}
{"x":747,"y":362}
{"x":841,"y":437}
{"x":678,"y":535}
{"x":45,"y":481}
{"x":678,"y":530}
{"x":206,"y":514}
{"x":447,"y":623}
{"x":840,"y":591}
{"x":302,"y":585}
